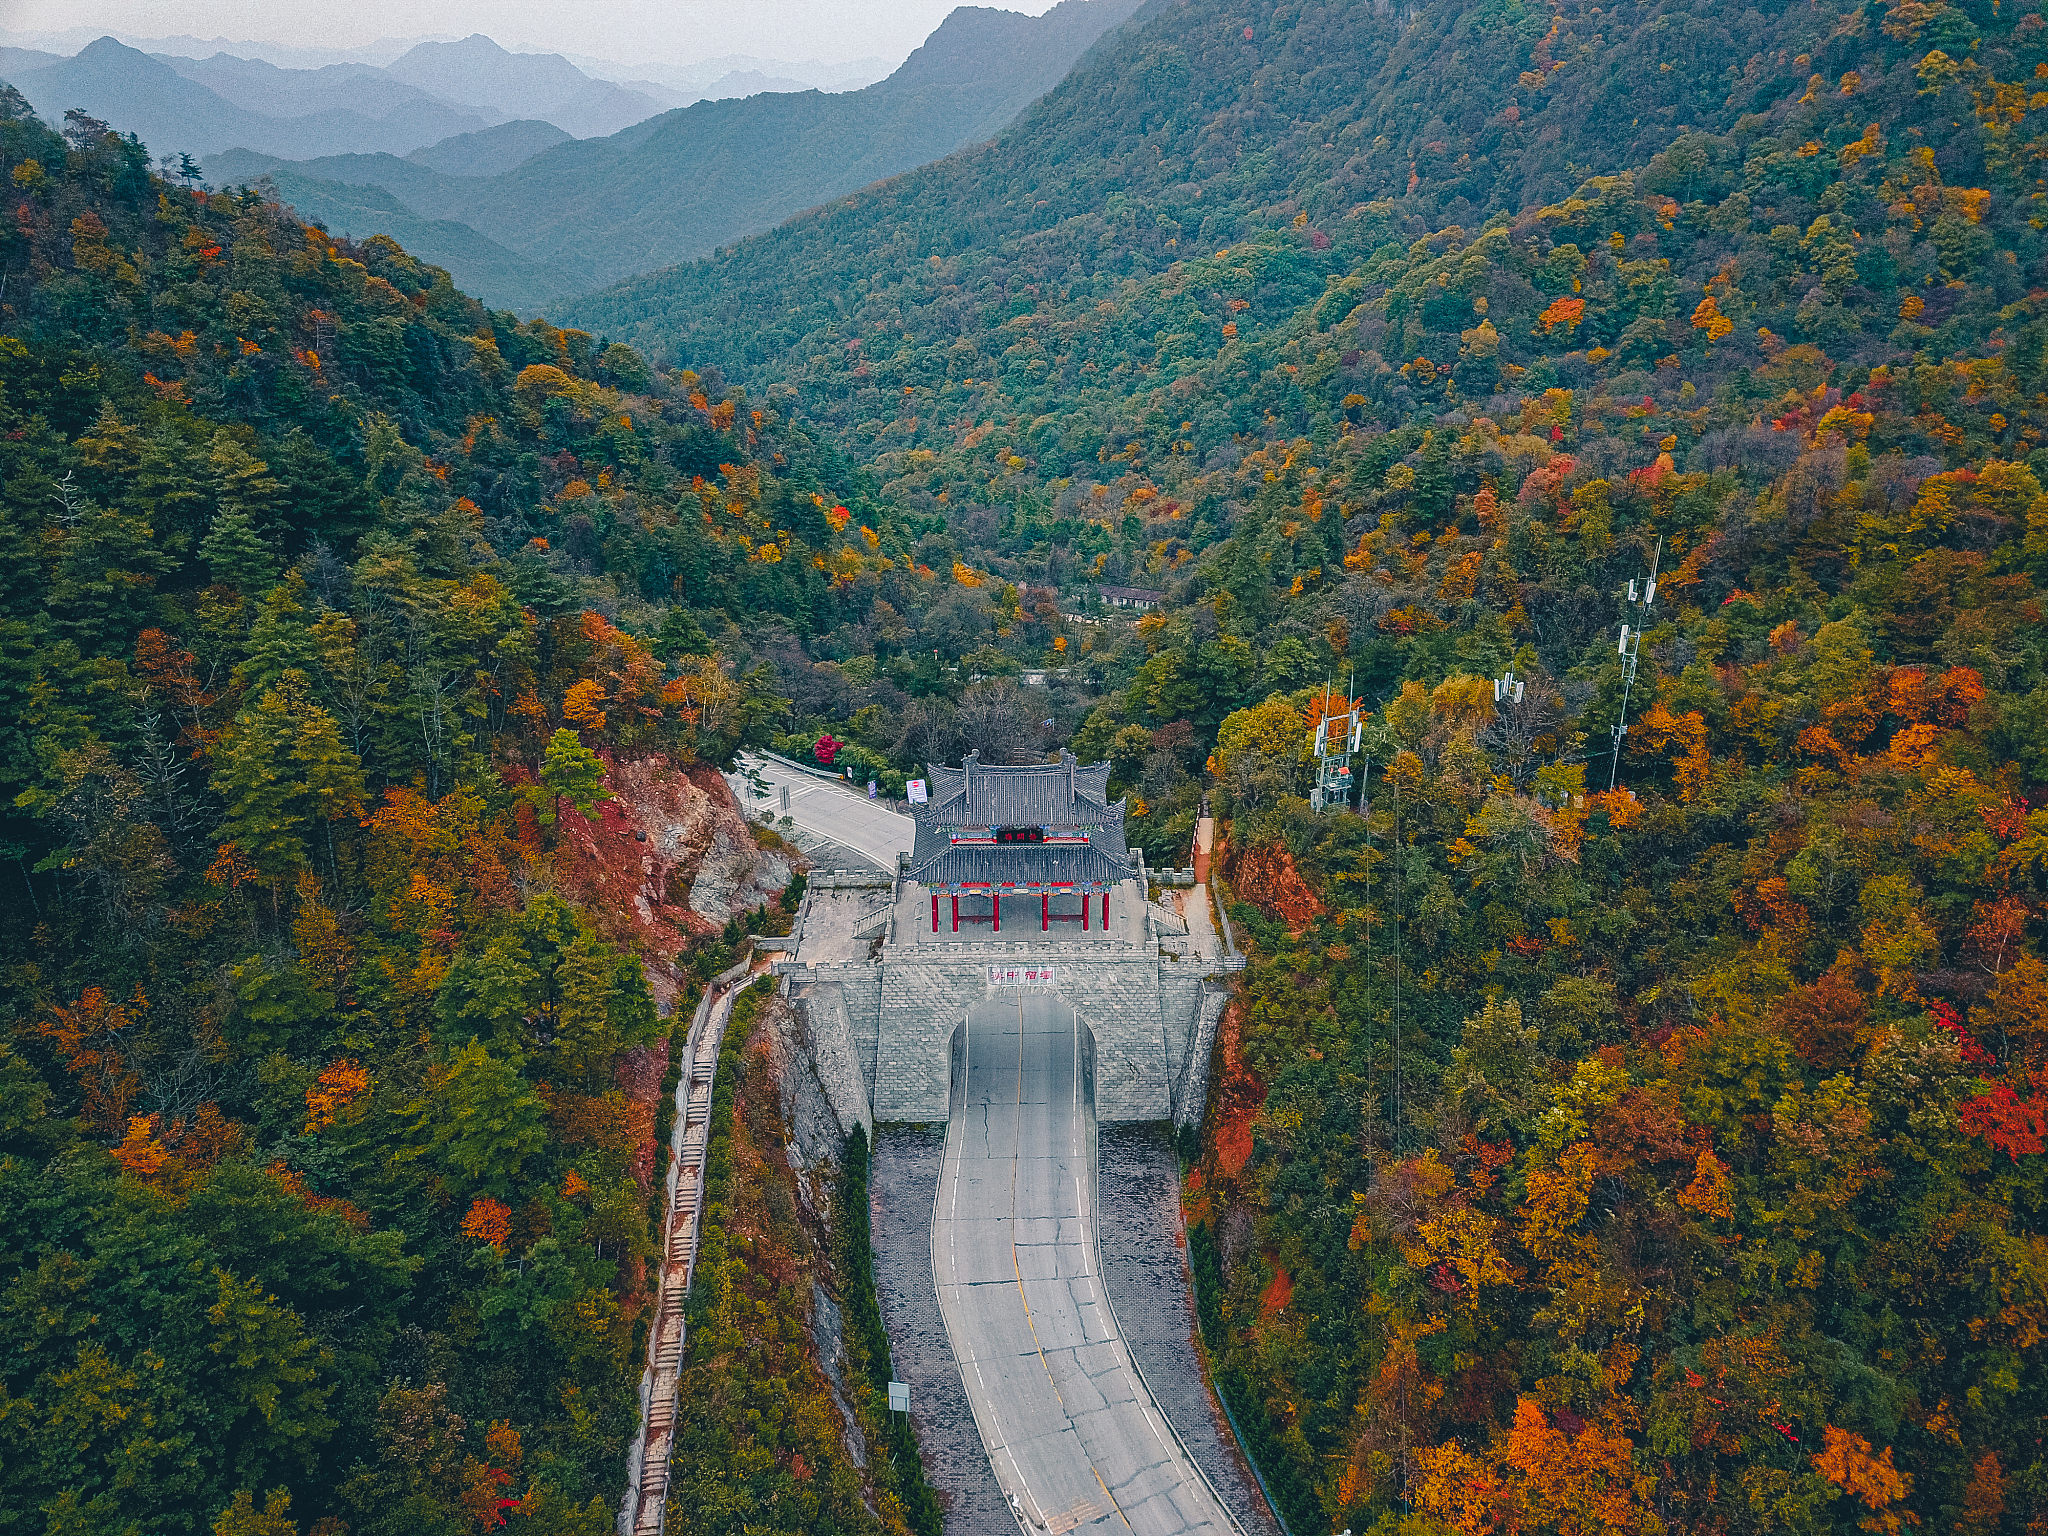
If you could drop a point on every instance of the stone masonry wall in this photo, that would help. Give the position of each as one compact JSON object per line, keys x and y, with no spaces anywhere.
{"x":1119,"y":1001}
{"x":893,"y":1019}
{"x":833,"y":1055}
{"x":1180,"y":1000}
{"x":923,"y":1001}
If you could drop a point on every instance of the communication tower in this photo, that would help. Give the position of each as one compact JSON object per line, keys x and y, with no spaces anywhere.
{"x":1631,"y":648}
{"x":1337,"y":738}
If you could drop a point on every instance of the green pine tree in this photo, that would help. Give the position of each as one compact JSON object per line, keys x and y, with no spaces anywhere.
{"x":104,"y":590}
{"x":481,"y":1123}
{"x":573,"y":772}
{"x":490,"y":991}
{"x":170,"y":488}
{"x":279,"y":640}
{"x":322,"y":500}
{"x":237,"y":548}
{"x":583,"y":1035}
{"x":284,"y":768}
{"x":236,"y":554}
{"x":680,"y":635}
{"x":1433,"y":491}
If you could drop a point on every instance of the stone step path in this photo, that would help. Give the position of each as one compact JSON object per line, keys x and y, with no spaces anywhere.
{"x":647,"y":1495}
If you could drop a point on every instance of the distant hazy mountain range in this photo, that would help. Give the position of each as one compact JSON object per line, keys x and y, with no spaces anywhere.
{"x":696,"y":81}
{"x":585,"y":213}
{"x":711,"y":79}
{"x":479,"y":74}
{"x":431,"y":92}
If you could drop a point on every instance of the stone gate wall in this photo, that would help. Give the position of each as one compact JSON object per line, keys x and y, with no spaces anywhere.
{"x":893,"y":1016}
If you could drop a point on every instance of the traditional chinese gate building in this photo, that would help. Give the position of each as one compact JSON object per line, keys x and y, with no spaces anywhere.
{"x":1040,"y":829}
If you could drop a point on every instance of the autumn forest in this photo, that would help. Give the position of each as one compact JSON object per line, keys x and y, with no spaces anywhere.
{"x":1632,"y":1114}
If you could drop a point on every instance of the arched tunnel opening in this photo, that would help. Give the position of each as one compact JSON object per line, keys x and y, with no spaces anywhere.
{"x":1013,"y":1042}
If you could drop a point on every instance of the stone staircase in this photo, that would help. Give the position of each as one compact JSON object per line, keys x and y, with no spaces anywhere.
{"x":647,"y":1493}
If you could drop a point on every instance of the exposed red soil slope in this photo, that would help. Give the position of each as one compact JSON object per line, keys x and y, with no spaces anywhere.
{"x":1278,"y":1293}
{"x":1265,"y":876}
{"x":1237,"y":1100}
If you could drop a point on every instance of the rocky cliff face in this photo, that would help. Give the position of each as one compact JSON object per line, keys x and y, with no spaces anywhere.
{"x":669,"y":859}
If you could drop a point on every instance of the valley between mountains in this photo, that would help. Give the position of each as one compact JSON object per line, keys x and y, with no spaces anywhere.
{"x":1619,"y":1101}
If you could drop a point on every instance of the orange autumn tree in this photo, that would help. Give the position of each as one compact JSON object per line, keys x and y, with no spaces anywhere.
{"x":1845,"y":1461}
{"x":488,"y":1221}
{"x":95,"y":1038}
{"x":1566,"y":312}
{"x":172,"y":1158}
{"x":1577,"y":1481}
{"x":338,"y":1086}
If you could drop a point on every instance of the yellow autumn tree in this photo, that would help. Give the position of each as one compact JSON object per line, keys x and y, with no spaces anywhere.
{"x":1707,"y":317}
{"x":1686,"y":736}
{"x":583,"y":705}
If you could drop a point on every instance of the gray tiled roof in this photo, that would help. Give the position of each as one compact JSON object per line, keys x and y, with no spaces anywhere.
{"x":1062,"y":794}
{"x":1021,"y":864}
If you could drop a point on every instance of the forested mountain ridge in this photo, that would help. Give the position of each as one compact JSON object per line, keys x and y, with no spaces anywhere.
{"x":688,"y":181}
{"x":353,"y":192}
{"x":1189,"y":178}
{"x":327,"y":1131}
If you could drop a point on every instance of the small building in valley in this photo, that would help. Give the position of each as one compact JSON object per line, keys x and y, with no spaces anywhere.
{"x":1132,"y":597}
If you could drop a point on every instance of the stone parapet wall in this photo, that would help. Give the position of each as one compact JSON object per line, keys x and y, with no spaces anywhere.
{"x":1180,"y":1002}
{"x":1192,"y":1099}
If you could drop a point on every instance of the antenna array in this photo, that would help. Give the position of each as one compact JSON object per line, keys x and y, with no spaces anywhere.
{"x":1336,"y":743}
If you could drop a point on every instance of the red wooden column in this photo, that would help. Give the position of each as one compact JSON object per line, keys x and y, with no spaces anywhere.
{"x":935,"y":911}
{"x":1045,"y":912}
{"x":1105,"y":911}
{"x":1085,"y":899}
{"x":995,"y":898}
{"x":956,"y":911}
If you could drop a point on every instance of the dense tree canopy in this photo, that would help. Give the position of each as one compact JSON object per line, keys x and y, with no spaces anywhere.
{"x":1630,"y":1120}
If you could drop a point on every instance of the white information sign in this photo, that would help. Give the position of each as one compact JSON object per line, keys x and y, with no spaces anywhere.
{"x":1023,"y":976}
{"x":916,"y":790}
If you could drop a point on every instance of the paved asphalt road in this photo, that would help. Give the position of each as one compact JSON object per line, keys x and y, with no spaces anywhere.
{"x":1072,"y":1433}
{"x":827,"y":807}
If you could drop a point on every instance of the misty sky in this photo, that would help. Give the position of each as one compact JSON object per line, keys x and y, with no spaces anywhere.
{"x":676,"y":31}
